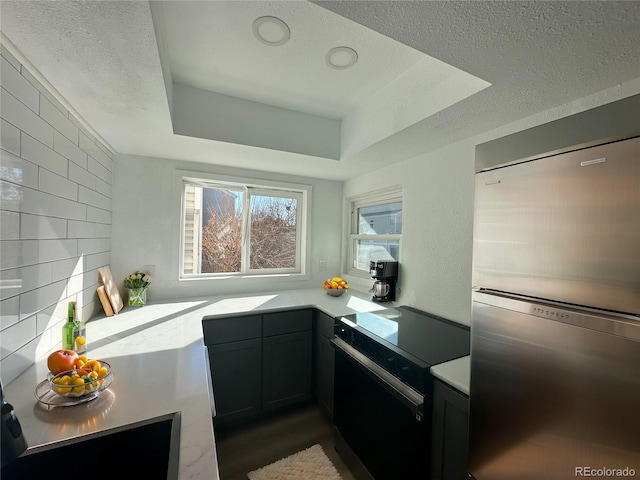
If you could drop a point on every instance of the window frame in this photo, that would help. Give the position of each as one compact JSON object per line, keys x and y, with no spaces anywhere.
{"x":301,"y":192}
{"x":379,"y":197}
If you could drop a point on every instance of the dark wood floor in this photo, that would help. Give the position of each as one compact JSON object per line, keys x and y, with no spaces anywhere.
{"x":248,"y":448}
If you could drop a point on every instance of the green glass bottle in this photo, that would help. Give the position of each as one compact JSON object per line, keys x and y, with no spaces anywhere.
{"x":70,"y":327}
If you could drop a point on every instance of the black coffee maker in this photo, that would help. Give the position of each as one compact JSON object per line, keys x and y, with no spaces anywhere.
{"x":385,"y":272}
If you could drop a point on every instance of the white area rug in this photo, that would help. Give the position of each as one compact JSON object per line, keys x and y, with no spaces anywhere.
{"x":309,"y":464}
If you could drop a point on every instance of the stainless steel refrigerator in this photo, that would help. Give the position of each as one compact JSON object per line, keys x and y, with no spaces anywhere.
{"x":555,"y":335}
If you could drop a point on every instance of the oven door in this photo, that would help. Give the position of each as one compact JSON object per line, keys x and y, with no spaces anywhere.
{"x":382,"y":421}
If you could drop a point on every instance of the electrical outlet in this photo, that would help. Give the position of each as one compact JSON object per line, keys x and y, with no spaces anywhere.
{"x":322,"y":264}
{"x":150,"y":269}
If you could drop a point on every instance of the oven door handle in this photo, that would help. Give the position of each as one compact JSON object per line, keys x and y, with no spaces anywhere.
{"x":405,"y":394}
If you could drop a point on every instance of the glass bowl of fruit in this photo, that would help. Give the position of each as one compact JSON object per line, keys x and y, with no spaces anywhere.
{"x":335,"y":286}
{"x":93,"y":377}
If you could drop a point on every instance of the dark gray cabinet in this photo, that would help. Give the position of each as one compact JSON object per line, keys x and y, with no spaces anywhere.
{"x":235,"y":361}
{"x":324,"y":361}
{"x":236,"y":372}
{"x":259,"y":363}
{"x":449,"y":434}
{"x":286,"y":370}
{"x":287,"y":356}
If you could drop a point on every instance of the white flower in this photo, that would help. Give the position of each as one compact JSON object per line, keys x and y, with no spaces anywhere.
{"x":146,"y":278}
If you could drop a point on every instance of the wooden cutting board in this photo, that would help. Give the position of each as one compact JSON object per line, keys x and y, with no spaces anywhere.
{"x":110,"y":288}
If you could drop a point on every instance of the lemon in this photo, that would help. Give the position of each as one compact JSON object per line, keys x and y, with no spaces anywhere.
{"x":80,"y":385}
{"x":64,"y":390}
{"x":80,"y":340}
{"x":103,"y":371}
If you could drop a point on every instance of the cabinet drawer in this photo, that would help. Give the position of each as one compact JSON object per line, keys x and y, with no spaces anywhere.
{"x":287,"y":322}
{"x":232,"y":329}
{"x":324,"y":324}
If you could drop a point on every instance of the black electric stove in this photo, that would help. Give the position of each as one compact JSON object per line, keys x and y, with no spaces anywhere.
{"x":405,"y":341}
{"x":383,"y":388}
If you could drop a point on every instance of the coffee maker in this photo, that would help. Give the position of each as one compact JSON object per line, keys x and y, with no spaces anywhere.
{"x":385,"y":272}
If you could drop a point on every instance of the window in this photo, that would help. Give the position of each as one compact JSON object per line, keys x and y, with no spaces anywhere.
{"x":230,"y":228}
{"x":375,"y":229}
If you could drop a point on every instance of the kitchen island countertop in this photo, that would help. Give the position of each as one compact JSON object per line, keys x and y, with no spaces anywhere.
{"x":159,"y":362}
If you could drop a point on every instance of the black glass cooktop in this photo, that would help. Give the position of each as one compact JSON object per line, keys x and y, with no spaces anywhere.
{"x":420,"y":336}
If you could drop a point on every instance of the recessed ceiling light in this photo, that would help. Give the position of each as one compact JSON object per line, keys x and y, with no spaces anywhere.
{"x":271,"y":31}
{"x":341,"y":57}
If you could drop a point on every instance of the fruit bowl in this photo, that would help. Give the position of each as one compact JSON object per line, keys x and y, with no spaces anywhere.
{"x":82,"y":381}
{"x":335,"y":292}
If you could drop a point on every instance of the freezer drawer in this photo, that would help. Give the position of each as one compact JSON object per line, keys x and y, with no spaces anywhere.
{"x":551,"y":393}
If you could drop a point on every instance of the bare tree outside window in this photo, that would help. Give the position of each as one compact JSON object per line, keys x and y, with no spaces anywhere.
{"x":272,"y":231}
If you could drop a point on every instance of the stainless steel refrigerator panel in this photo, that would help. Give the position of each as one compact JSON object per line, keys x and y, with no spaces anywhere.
{"x":565,"y":228}
{"x":552,"y":396}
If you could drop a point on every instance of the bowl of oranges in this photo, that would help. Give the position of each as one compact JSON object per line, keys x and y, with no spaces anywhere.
{"x":335,"y":286}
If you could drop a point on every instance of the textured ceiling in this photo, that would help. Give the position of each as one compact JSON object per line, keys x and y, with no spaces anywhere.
{"x":103,"y":58}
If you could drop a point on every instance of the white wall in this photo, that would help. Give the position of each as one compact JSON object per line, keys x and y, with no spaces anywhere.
{"x":436,"y":249}
{"x":146,"y":220}
{"x":55,"y":184}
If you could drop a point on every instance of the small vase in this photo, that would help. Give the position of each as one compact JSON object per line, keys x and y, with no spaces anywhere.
{"x":137,"y":297}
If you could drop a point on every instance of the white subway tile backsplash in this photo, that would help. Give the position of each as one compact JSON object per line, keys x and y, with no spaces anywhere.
{"x":93,"y":198}
{"x":35,"y":301}
{"x":17,"y":170}
{"x":82,"y":176}
{"x":64,"y":269}
{"x":18,"y":253}
{"x":18,"y":86}
{"x":18,"y":198}
{"x":57,"y":120}
{"x":75,"y":284}
{"x":9,"y":312}
{"x":69,"y":209}
{"x":39,"y":227}
{"x":17,"y":336}
{"x":10,"y":222}
{"x":51,"y":243}
{"x":42,"y":155}
{"x":103,"y":230}
{"x":106,"y":151}
{"x":99,"y":215}
{"x":97,"y":260}
{"x":98,"y":170}
{"x":51,"y":250}
{"x":36,"y":83}
{"x":67,"y":149}
{"x":20,"y":280}
{"x":45,"y":321}
{"x":9,"y":57}
{"x":103,"y":187}
{"x":89,"y":146}
{"x":57,"y":185}
{"x":9,"y":137}
{"x":21,"y":359}
{"x":77,"y":229}
{"x":16,"y":113}
{"x":88,"y":246}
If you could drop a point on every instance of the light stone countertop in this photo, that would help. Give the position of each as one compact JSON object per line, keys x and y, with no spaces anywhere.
{"x":456,"y":373}
{"x":158,"y":358}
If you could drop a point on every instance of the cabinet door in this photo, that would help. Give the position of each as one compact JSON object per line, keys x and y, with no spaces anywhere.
{"x":286,"y":369}
{"x":235,"y":375}
{"x":325,"y":359}
{"x":450,"y":433}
